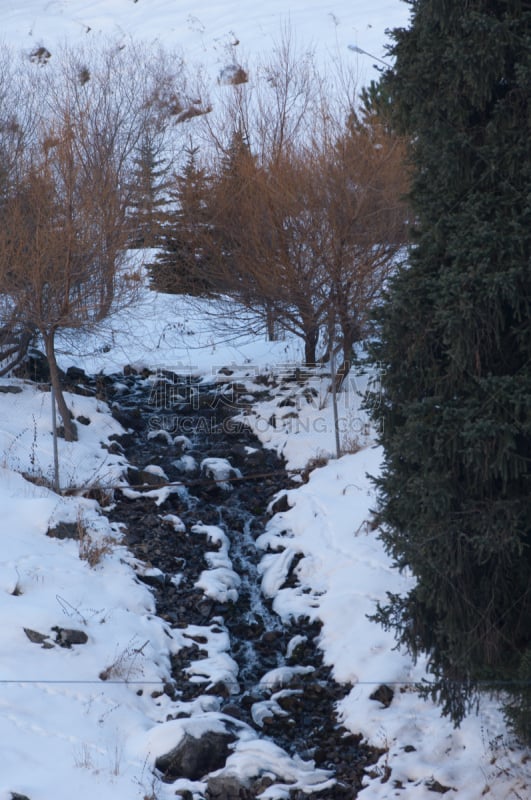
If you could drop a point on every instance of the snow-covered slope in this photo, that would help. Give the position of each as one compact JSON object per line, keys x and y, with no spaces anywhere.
{"x":65,"y":732}
{"x":204,"y":29}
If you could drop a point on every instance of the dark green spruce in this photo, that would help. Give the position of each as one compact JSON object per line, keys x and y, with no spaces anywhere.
{"x":147,"y":202}
{"x":182,"y":264}
{"x":454,"y":353}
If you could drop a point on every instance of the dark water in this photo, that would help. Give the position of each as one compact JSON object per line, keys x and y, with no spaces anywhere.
{"x":219,"y":475}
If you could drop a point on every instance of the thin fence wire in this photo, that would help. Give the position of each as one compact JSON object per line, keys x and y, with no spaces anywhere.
{"x":296,"y":683}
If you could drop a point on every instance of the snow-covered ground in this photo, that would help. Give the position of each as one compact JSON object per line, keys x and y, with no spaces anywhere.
{"x":63,"y":728}
{"x":206,"y":31}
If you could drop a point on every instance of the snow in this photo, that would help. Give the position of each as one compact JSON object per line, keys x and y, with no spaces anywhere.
{"x":220,"y":582}
{"x":56,"y":713}
{"x":219,"y":470}
{"x":175,"y":521}
{"x":164,"y":332}
{"x":208,"y":32}
{"x":298,"y":774}
{"x":87,"y":710}
{"x":281,"y":676}
{"x":84,"y":716}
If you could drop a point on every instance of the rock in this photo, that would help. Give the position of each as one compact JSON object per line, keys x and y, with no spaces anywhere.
{"x":149,"y":478}
{"x":182,"y":444}
{"x":289,"y":402}
{"x":10,"y":389}
{"x":17,"y":796}
{"x":384,"y":695}
{"x":66,"y":637}
{"x":115,"y":449}
{"x":245,"y":456}
{"x":170,"y":691}
{"x":161,"y":436}
{"x":227,"y":787}
{"x":76,"y":374}
{"x":81,"y":389}
{"x":221,"y":689}
{"x":219,"y":470}
{"x":155,"y":578}
{"x":64,"y":530}
{"x":128,"y":418}
{"x":261,"y":784}
{"x":83,"y":420}
{"x":271,"y":637}
{"x":123,"y":440}
{"x":35,"y":636}
{"x":133,"y":476}
{"x":232,"y":710}
{"x":439,"y":788}
{"x":280,"y":504}
{"x":194,"y":758}
{"x":35,"y":368}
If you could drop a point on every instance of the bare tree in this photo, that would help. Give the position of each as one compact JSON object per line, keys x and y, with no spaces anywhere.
{"x":63,"y":216}
{"x":272,"y":109}
{"x":307,"y":214}
{"x":17,"y":120}
{"x":60,"y":249}
{"x":310,"y":238}
{"x":361,"y":183}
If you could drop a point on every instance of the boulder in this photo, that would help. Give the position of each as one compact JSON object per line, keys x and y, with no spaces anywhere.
{"x":383,"y":694}
{"x":193,"y":758}
{"x":227,"y":787}
{"x":76,"y":374}
{"x":64,"y":530}
{"x":35,"y":368}
{"x":9,"y":389}
{"x":279,"y":504}
{"x":66,"y":637}
{"x":35,"y":636}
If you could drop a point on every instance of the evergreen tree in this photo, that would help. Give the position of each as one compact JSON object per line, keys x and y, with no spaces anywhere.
{"x":233,"y":202}
{"x":181,"y":264}
{"x":149,"y":198}
{"x":454,"y":350}
{"x":376,"y":103}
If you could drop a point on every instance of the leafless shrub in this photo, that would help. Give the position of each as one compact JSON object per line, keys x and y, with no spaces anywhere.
{"x":84,"y":757}
{"x":92,"y":551}
{"x":304,"y":212}
{"x":126,"y":664}
{"x":321,"y":459}
{"x":92,"y":548}
{"x":68,"y":135}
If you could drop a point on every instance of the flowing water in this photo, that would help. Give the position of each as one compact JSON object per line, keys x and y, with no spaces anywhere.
{"x":200,"y":489}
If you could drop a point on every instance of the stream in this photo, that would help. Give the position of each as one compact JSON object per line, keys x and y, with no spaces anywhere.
{"x":200,"y":487}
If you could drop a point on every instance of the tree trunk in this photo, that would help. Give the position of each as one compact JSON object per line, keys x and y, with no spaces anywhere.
{"x":311,"y":336}
{"x":349,"y":335}
{"x":271,"y":324}
{"x":68,"y":424}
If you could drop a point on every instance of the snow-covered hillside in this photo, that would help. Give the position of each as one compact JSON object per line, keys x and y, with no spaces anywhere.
{"x":72,"y":609}
{"x":205,"y":30}
{"x":64,"y":729}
